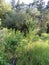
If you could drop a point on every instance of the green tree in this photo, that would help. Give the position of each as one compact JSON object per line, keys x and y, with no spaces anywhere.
{"x":4,"y":8}
{"x":16,"y":20}
{"x":13,"y":4}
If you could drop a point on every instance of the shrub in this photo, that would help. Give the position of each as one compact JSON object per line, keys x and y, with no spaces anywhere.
{"x":30,"y":50}
{"x":13,"y":43}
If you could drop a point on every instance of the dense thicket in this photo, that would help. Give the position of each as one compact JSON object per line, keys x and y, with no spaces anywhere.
{"x":24,"y":33}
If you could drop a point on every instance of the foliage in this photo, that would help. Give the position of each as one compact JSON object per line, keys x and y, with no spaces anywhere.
{"x":4,"y":8}
{"x":28,"y":50}
{"x":32,"y":49}
{"x":3,"y":60}
{"x":16,"y":20}
{"x":35,"y":52}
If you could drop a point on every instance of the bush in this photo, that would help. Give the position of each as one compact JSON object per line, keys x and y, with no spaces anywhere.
{"x":30,"y":50}
{"x":14,"y":43}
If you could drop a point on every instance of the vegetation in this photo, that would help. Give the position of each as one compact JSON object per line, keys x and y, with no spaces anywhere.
{"x":24,"y":33}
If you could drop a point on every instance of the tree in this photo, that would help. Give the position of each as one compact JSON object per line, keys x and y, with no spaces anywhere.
{"x":13,"y":4}
{"x":4,"y":8}
{"x":40,"y":5}
{"x":47,"y":6}
{"x":17,"y":21}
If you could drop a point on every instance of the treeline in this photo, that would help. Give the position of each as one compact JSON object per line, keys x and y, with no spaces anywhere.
{"x":18,"y":17}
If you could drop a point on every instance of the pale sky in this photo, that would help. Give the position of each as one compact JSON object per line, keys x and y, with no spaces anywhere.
{"x":25,"y":1}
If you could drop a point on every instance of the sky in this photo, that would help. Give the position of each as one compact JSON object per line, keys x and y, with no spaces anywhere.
{"x":25,"y":1}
